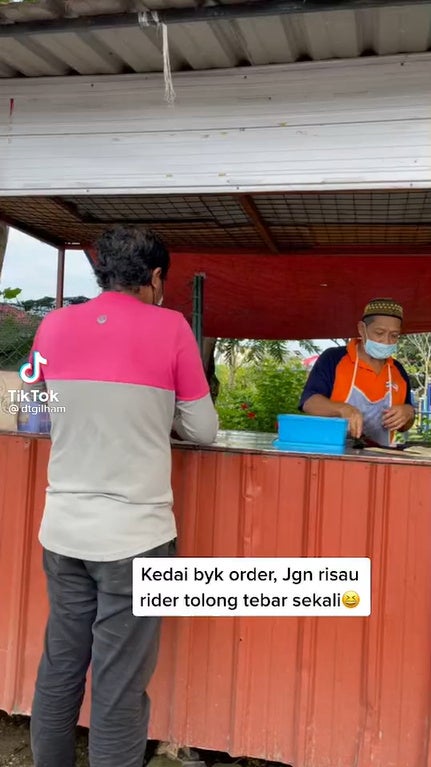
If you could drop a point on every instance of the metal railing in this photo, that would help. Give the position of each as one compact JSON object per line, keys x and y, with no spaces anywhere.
{"x":423,"y":418}
{"x":17,"y":331}
{"x":18,"y":325}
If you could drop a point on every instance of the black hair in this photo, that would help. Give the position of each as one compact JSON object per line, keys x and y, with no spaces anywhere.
{"x":127,"y":257}
{"x":369,"y":319}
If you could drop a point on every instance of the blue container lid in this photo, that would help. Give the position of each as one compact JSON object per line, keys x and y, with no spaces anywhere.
{"x":312,"y":430}
{"x":299,"y":418}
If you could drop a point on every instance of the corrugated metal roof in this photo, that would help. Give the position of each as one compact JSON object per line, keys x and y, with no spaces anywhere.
{"x":203,"y":45}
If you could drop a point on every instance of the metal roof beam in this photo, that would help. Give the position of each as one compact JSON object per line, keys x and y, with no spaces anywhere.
{"x":247,"y":10}
{"x":31,"y":231}
{"x":249,"y":207}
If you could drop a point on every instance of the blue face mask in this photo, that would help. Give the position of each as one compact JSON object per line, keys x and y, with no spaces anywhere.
{"x":379,"y":351}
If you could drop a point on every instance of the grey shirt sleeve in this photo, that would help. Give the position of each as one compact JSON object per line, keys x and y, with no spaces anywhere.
{"x":196,"y":420}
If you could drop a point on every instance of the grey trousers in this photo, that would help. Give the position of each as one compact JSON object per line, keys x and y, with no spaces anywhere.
{"x":91,"y":620}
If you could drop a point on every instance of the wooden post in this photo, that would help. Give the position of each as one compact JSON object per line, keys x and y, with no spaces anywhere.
{"x":60,"y":277}
{"x":4,"y":232}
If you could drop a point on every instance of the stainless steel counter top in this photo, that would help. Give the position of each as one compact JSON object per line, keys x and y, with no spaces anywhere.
{"x":256,"y":442}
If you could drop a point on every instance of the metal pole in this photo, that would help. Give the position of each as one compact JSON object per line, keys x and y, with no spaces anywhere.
{"x":247,"y":10}
{"x":4,"y":234}
{"x":60,"y":277}
{"x":198,"y":309}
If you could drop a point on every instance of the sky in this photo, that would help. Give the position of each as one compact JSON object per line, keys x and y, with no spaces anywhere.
{"x":32,"y":266}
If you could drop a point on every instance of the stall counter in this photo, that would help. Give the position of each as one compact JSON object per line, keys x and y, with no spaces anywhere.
{"x":307,"y":691}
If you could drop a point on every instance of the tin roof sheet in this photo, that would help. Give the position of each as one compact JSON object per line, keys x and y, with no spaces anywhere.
{"x":203,"y":45}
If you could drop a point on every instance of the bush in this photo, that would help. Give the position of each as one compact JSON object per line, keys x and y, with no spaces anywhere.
{"x":16,"y":340}
{"x":234,"y":404}
{"x":259,"y":394}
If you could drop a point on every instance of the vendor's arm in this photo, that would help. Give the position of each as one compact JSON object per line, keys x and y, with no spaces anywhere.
{"x":401,"y":417}
{"x":316,"y":397}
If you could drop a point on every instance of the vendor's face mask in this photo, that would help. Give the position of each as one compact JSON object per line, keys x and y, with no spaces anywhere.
{"x":379,"y":351}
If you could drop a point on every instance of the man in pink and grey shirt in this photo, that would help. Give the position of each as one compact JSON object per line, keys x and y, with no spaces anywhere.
{"x":126,"y":372}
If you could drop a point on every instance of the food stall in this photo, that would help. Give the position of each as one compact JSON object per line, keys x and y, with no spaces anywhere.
{"x":296,"y":192}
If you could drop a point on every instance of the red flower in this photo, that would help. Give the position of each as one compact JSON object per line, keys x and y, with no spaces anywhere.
{"x":244,"y":406}
{"x":251,"y":415}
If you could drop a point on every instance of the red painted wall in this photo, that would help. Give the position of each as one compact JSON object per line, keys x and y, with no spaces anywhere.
{"x":310,"y":294}
{"x":296,"y":296}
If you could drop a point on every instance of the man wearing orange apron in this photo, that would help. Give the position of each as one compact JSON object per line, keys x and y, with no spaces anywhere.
{"x":362,"y":382}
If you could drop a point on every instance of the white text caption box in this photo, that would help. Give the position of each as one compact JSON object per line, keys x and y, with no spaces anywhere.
{"x":237,"y":586}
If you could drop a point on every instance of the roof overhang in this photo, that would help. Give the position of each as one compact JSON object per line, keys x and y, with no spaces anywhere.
{"x":276,"y":266}
{"x":267,"y":222}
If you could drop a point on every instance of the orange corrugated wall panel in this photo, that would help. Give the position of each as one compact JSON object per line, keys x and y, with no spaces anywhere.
{"x":308,"y":692}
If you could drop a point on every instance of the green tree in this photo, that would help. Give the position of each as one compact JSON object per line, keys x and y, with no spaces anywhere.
{"x":235,"y":402}
{"x":42,"y":306}
{"x":309,"y":346}
{"x":414,"y":353}
{"x":260,"y":393}
{"x":16,"y":340}
{"x":235,"y":353}
{"x":8,"y":294}
{"x":39,"y":306}
{"x":278,"y":390}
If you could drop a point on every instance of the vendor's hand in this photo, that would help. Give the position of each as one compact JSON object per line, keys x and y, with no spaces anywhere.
{"x":397,"y":417}
{"x":355,"y":418}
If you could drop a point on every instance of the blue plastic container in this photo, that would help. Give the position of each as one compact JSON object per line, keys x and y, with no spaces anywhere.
{"x":311,"y":434}
{"x":37,"y":422}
